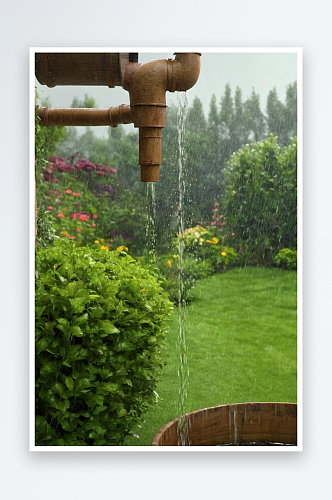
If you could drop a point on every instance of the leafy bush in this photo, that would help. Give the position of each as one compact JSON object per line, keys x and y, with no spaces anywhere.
{"x":100,"y":330}
{"x":261,"y":207}
{"x":286,"y":258}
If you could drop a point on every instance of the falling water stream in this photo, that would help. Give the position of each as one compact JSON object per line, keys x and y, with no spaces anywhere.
{"x":183,"y":369}
{"x":150,"y":198}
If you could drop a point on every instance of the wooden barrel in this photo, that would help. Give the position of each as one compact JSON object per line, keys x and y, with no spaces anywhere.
{"x":243,"y":424}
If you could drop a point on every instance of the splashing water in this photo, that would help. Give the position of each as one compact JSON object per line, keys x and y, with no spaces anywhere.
{"x":183,"y":370}
{"x":150,"y":197}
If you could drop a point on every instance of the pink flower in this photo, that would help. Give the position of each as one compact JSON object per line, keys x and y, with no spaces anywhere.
{"x":77,"y":153}
{"x":50,"y":208}
{"x":73,"y":215}
{"x":68,"y":191}
{"x":78,"y":230}
{"x":94,"y":216}
{"x":93,"y":225}
{"x":60,"y":216}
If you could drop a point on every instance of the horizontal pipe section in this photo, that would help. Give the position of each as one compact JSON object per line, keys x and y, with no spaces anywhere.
{"x":85,"y":116}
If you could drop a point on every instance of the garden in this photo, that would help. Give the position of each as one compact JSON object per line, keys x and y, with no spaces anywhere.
{"x":115,"y":277}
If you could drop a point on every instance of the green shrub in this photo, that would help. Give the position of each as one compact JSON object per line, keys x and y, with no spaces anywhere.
{"x":286,"y":258}
{"x":261,"y":205}
{"x":100,"y":332}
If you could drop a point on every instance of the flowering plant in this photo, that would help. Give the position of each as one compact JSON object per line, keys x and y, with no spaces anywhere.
{"x":201,"y":244}
{"x":84,"y":208}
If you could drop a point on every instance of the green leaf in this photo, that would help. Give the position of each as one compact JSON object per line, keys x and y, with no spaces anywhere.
{"x":83,"y":383}
{"x":59,"y":388}
{"x":69,"y":383}
{"x":108,"y":387}
{"x":107,"y":326}
{"x":76,"y":331}
{"x":48,"y":368}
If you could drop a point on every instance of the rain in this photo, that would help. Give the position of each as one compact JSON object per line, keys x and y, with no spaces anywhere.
{"x":218,"y":232}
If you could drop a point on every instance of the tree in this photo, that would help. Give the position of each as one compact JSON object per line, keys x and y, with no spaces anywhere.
{"x":240,"y":133}
{"x":291,"y":109}
{"x":276,"y":117}
{"x":254,"y":118}
{"x":87,"y":102}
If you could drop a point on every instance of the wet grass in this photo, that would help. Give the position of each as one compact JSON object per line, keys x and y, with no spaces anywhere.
{"x":241,"y":335}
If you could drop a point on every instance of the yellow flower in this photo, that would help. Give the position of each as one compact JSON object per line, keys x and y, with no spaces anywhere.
{"x":209,"y":241}
{"x":143,"y":289}
{"x":176,"y":256}
{"x":104,"y":248}
{"x":215,"y":241}
{"x":120,"y":249}
{"x":168,"y":263}
{"x":96,"y":241}
{"x":223,"y":254}
{"x":102,"y":240}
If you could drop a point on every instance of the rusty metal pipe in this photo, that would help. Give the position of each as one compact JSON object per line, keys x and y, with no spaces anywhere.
{"x":85,"y":116}
{"x":147,"y":84}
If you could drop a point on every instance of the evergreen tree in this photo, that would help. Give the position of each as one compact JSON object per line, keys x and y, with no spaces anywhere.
{"x":213,"y":118}
{"x":276,"y":117}
{"x":239,"y":129}
{"x":254,"y":118}
{"x":291,"y":109}
{"x":195,"y":118}
{"x":226,"y":121}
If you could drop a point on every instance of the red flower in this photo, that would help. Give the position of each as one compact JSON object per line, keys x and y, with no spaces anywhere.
{"x":93,"y":225}
{"x":84,"y":217}
{"x":73,"y":215}
{"x":60,"y":216}
{"x":76,"y":194}
{"x":78,"y":230}
{"x":94,"y":216}
{"x":50,"y":208}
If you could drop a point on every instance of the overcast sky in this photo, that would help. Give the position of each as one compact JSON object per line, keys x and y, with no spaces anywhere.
{"x":244,"y":68}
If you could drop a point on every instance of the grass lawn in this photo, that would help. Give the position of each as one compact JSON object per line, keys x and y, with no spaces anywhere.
{"x":241,"y":336}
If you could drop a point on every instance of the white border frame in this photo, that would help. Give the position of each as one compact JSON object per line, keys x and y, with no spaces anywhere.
{"x":171,"y":50}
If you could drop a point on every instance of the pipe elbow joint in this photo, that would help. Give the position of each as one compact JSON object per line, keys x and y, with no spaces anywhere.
{"x":183,"y":71}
